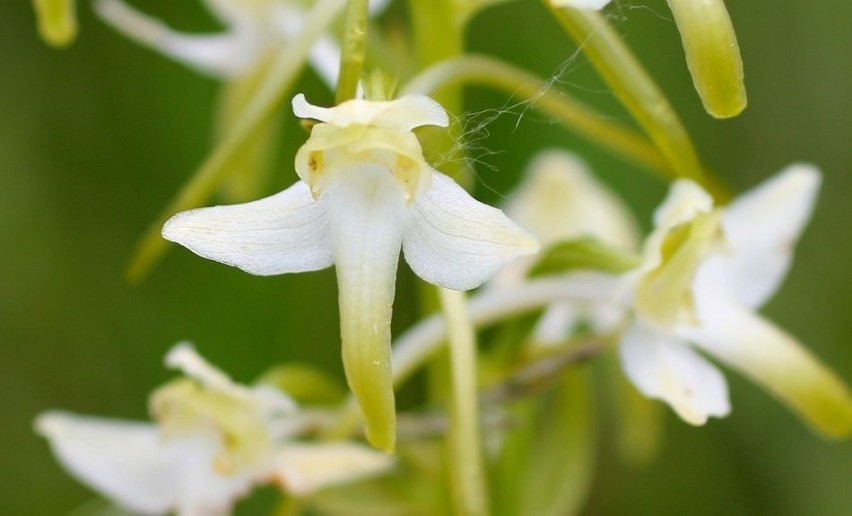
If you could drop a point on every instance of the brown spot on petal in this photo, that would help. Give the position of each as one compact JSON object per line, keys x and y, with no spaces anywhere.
{"x":315,"y":162}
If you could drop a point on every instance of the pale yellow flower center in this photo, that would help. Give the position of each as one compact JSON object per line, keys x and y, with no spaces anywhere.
{"x":331,"y":151}
{"x":185,"y":409}
{"x":664,"y":296}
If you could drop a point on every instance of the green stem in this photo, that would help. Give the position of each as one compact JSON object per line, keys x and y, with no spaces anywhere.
{"x":630,"y":81}
{"x":438,"y":36}
{"x":258,"y":112}
{"x":419,"y":343}
{"x":574,"y":115}
{"x":466,"y":464}
{"x":353,"y":49}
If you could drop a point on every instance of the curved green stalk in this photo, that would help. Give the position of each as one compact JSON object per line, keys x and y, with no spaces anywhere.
{"x":520,"y":83}
{"x":630,"y":81}
{"x":209,"y":176}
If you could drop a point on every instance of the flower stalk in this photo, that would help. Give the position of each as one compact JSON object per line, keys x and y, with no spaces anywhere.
{"x":631,"y":83}
{"x":480,"y":69}
{"x":353,"y":49}
{"x":466,"y":466}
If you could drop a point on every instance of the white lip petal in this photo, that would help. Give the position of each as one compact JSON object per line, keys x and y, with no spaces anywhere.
{"x":774,"y":360}
{"x":220,"y":55}
{"x":581,"y":4}
{"x":286,"y":232}
{"x":368,"y":216}
{"x":458,"y":242}
{"x":305,"y":468}
{"x":126,"y":461}
{"x":761,"y":228}
{"x":402,"y":114}
{"x":666,"y":368}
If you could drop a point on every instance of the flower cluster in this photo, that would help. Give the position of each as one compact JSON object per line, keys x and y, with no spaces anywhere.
{"x":365,"y":192}
{"x":212,"y":441}
{"x":565,"y":272}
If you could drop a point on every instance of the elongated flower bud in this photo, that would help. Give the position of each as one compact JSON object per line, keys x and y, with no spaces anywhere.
{"x":712,"y":55}
{"x":57,"y":21}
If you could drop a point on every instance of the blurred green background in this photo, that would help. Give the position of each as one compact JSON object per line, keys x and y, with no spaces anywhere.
{"x":95,"y":139}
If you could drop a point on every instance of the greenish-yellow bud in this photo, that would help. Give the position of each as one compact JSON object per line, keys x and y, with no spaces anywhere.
{"x":57,"y":21}
{"x":712,"y":55}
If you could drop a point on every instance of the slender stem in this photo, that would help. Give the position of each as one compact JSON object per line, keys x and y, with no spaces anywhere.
{"x":421,"y":341}
{"x":630,"y":81}
{"x":353,"y":49}
{"x":416,"y":346}
{"x":518,"y":82}
{"x":466,"y":466}
{"x":258,"y":112}
{"x":438,"y":36}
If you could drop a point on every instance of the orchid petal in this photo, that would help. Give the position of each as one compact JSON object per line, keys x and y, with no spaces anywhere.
{"x":774,"y":360}
{"x":666,"y":368}
{"x":286,"y":232}
{"x":761,"y":228}
{"x":124,"y":460}
{"x":228,"y":12}
{"x":458,"y":242}
{"x":325,"y":60}
{"x":684,"y":201}
{"x":223,"y":55}
{"x":402,"y":114}
{"x":303,"y":469}
{"x":555,"y":325}
{"x":596,"y":5}
{"x":560,"y":199}
{"x":368,"y":217}
{"x":184,"y":357}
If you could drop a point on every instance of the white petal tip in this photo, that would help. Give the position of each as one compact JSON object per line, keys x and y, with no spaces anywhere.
{"x":182,"y":355}
{"x":801,"y":177}
{"x":595,"y":5}
{"x":301,"y":107}
{"x":49,"y":424}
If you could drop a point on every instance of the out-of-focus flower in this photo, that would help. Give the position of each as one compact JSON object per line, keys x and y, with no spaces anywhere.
{"x":365,"y":193}
{"x":705,"y":271}
{"x":254,"y":30}
{"x":560,"y":200}
{"x":212,"y":442}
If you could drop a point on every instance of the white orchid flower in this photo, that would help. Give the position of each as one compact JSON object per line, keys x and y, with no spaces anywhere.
{"x":213,"y":441}
{"x":254,"y":30}
{"x":704,"y":272}
{"x":559,"y":199}
{"x":365,"y":192}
